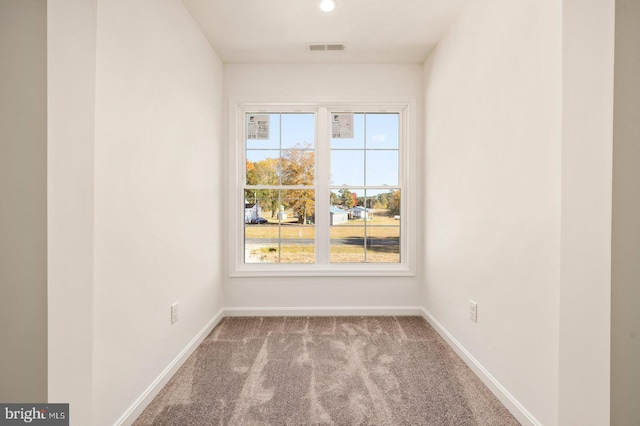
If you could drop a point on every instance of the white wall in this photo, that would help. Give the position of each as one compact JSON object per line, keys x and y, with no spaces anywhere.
{"x":585,"y":288}
{"x":331,"y":82}
{"x":23,"y":205}
{"x":157,"y":194}
{"x":493,"y":136}
{"x":625,"y":323}
{"x":492,"y":189}
{"x":71,"y":41}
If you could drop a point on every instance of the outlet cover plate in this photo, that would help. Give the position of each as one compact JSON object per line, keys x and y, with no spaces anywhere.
{"x":473,"y":311}
{"x":174,"y":313}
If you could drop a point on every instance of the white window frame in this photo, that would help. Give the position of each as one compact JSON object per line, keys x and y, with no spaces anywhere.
{"x":239,"y":107}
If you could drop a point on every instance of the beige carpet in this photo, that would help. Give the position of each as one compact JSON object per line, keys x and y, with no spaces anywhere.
{"x":325,"y":371}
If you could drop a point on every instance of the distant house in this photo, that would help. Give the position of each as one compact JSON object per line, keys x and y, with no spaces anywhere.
{"x":252,"y":212}
{"x":337,"y":215}
{"x":359,"y":212}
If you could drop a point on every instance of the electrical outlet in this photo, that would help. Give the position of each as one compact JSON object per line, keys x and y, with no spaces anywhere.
{"x":473,"y":311}
{"x":174,"y":313}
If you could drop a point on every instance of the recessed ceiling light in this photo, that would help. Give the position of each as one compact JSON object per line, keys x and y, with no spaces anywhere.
{"x":327,"y":5}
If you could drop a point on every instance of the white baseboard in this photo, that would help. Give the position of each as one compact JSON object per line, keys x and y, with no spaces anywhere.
{"x":323,"y":311}
{"x":147,"y":396}
{"x":508,"y":400}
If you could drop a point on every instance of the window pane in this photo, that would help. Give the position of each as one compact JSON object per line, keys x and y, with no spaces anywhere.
{"x":346,"y":198}
{"x":357,"y":141}
{"x":347,"y":168}
{"x":383,"y":244}
{"x":267,"y":204}
{"x":370,"y":200}
{"x":298,"y":166}
{"x":347,"y":230}
{"x":382,"y":131}
{"x":297,"y":231}
{"x":261,"y":236}
{"x":299,"y":206}
{"x":263,"y":167}
{"x":279,"y":226}
{"x":378,"y":203}
{"x":297,"y":244}
{"x":298,"y":130}
{"x":273,"y":139}
{"x":393,"y":204}
{"x":382,"y":168}
{"x":347,"y":244}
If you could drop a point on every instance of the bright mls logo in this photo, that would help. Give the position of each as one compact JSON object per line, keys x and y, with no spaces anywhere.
{"x":37,"y":414}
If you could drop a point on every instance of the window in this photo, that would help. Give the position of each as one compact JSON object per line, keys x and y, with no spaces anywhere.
{"x":279,"y":192}
{"x":365,"y":189}
{"x":318,"y":191}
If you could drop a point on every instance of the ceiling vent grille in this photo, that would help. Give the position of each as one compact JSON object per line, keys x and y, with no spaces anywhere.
{"x":325,"y":47}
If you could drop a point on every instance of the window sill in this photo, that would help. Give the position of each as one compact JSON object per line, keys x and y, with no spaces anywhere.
{"x":364,"y":270}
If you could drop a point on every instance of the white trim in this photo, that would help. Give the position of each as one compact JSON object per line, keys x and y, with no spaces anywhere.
{"x":404,"y":105}
{"x":323,"y":311}
{"x":505,"y":397}
{"x":323,"y":180}
{"x":257,"y":270}
{"x":314,"y":101}
{"x":139,"y":405}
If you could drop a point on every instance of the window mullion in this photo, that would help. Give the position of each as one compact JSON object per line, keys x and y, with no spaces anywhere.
{"x":280,"y":190}
{"x":323,"y":178}
{"x":364,"y":243}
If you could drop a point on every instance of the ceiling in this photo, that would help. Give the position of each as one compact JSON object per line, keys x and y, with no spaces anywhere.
{"x":277,"y":31}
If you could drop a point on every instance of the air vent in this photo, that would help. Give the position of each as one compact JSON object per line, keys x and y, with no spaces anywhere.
{"x":325,"y":47}
{"x":334,"y":47}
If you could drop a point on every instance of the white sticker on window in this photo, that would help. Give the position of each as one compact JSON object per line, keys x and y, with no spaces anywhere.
{"x":258,"y":127}
{"x":342,"y":126}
